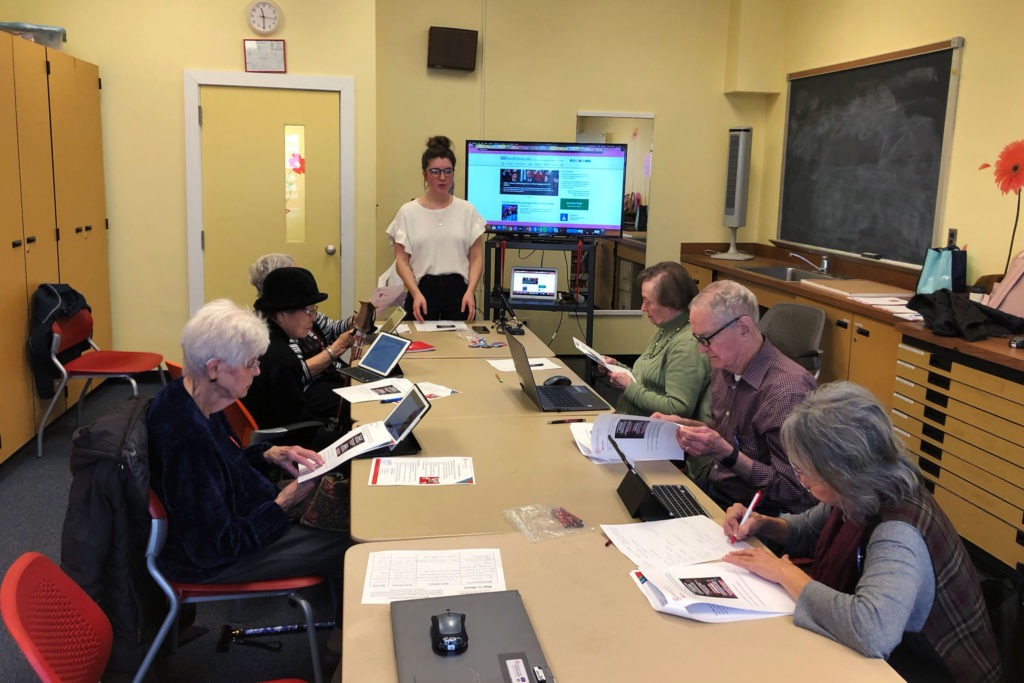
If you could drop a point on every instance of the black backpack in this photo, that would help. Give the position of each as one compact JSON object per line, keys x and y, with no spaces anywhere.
{"x":106,"y":527}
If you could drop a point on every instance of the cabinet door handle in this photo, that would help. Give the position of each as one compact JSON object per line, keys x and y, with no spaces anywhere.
{"x":78,"y":230}
{"x":843,"y":324}
{"x":863,"y":331}
{"x":30,"y":239}
{"x":88,"y":228}
{"x":15,"y":244}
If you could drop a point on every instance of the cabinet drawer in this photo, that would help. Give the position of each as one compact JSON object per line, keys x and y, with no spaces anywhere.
{"x":923,"y":359}
{"x":990,"y":533}
{"x":996,"y":495}
{"x":982,"y":384}
{"x":997,"y":472}
{"x":936,"y":423}
{"x":914,"y":373}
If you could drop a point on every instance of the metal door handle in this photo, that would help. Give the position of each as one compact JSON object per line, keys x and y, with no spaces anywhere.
{"x":330,"y":250}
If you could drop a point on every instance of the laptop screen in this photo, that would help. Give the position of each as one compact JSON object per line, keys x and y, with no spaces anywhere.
{"x":407,"y":414}
{"x":534,"y":285}
{"x":522,"y":363}
{"x":384,"y":354}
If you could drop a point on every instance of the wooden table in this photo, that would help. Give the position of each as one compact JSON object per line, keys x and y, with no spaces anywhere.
{"x":594,"y":625}
{"x":456,"y":344}
{"x":519,"y":460}
{"x":481,"y":393}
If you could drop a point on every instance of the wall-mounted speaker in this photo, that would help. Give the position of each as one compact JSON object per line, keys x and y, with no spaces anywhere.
{"x":737,"y":177}
{"x":451,"y":48}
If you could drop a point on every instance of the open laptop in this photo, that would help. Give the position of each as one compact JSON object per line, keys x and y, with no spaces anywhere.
{"x":534,"y":285}
{"x":653,"y":503}
{"x":502,"y":643}
{"x":380,"y":361}
{"x":564,"y":399}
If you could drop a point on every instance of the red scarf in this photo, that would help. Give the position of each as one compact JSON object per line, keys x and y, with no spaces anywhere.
{"x":838,"y":554}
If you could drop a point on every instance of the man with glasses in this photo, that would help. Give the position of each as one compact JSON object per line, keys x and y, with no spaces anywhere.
{"x":753,"y":389}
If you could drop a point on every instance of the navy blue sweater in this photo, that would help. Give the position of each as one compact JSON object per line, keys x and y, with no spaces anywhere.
{"x":220,"y":505}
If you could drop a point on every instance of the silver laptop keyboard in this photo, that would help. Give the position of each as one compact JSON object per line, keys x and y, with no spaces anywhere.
{"x":678,"y":500}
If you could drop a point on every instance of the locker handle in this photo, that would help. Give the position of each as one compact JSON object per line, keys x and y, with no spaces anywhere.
{"x":15,"y":244}
{"x":78,"y":229}
{"x":88,"y":228}
{"x":843,"y":324}
{"x":863,"y":331}
{"x":31,"y":239}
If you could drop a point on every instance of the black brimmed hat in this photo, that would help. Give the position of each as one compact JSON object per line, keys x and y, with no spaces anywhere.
{"x":289,"y":289}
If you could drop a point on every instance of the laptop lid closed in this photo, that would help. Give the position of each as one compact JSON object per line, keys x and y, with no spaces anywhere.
{"x":384,"y":354}
{"x":502,"y":643}
{"x":534,"y":285}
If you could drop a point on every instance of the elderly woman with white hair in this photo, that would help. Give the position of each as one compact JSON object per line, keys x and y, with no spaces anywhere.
{"x":891,"y":577}
{"x":228,"y":521}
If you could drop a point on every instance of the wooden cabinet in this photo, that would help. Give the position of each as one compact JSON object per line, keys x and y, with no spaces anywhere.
{"x":701,"y":276}
{"x":960,"y":419}
{"x":873,"y":357}
{"x":29,"y":199}
{"x":835,"y":341}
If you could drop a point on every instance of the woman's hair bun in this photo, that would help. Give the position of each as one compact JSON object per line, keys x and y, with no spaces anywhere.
{"x":439,"y":141}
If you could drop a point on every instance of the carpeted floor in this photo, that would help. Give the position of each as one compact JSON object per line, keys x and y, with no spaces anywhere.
{"x":33,"y":495}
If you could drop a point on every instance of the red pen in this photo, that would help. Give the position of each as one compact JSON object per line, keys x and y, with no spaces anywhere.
{"x":746,"y":515}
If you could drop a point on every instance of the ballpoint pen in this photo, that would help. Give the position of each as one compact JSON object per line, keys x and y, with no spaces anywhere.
{"x":746,"y":515}
{"x":566,"y":421}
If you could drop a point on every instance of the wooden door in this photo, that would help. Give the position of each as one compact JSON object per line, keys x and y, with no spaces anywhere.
{"x":258,"y":197}
{"x":873,"y":357}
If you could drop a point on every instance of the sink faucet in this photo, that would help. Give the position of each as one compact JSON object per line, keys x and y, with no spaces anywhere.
{"x":823,"y":268}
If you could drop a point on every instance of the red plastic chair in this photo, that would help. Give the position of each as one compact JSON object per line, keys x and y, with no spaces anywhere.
{"x":95,"y":364}
{"x":179,"y":594}
{"x":65,"y":636}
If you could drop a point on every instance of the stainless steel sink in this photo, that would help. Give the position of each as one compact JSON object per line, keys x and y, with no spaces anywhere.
{"x":788,"y":273}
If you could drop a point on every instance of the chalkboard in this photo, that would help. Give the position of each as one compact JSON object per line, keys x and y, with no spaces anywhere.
{"x":863,"y":157}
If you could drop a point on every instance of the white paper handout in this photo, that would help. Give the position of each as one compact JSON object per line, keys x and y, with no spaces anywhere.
{"x":421,"y":471}
{"x":434,"y":391}
{"x":640,"y":438}
{"x":509,"y":365}
{"x":440,"y":326}
{"x":411,"y":574}
{"x":598,"y":358}
{"x":713,"y":592}
{"x":684,"y":540}
{"x":381,"y":390}
{"x":356,"y":442}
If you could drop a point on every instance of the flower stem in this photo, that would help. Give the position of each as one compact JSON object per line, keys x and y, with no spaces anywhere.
{"x":1013,"y":234}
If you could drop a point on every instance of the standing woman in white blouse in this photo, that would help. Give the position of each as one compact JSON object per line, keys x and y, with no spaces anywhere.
{"x":438,"y":243}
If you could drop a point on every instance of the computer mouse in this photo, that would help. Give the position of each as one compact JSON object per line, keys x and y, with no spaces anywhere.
{"x":557,"y":381}
{"x":448,"y":633}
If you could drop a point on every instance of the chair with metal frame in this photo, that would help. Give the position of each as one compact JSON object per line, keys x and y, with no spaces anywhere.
{"x":76,"y":331}
{"x":65,"y":636}
{"x":180,"y":593}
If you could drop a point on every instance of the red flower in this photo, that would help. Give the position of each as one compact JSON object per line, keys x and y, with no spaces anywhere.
{"x":297,"y":163}
{"x":1009,"y":170}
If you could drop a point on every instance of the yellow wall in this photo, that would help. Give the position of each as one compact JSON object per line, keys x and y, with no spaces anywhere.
{"x":540,"y":63}
{"x":143,"y":49}
{"x":990,"y":109}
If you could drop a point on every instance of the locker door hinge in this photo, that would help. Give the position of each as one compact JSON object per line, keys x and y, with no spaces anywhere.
{"x":47,"y":67}
{"x":106,"y":224}
{"x":200,"y":115}
{"x":57,"y":231}
{"x":99,"y":84}
{"x":202,"y":240}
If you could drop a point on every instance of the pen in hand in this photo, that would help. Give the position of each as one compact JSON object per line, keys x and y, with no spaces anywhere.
{"x":746,"y":515}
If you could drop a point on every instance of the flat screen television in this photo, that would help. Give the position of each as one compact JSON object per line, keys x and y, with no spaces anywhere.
{"x":547,"y":189}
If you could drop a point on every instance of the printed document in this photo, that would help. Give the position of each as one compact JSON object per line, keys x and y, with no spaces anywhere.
{"x":364,"y":438}
{"x":598,"y":358}
{"x":411,"y":574}
{"x":680,"y":572}
{"x":509,"y":365}
{"x":639,"y":438}
{"x":440,"y":326}
{"x":421,"y":471}
{"x":381,"y":390}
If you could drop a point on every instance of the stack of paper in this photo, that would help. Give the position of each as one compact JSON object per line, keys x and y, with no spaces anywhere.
{"x":680,"y":573}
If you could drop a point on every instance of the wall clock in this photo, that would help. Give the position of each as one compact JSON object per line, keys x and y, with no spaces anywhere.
{"x":264,"y":17}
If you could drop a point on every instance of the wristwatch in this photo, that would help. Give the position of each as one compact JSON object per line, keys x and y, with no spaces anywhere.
{"x":730,"y":460}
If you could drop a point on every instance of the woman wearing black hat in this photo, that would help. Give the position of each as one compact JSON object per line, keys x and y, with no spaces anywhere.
{"x":296,"y":381}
